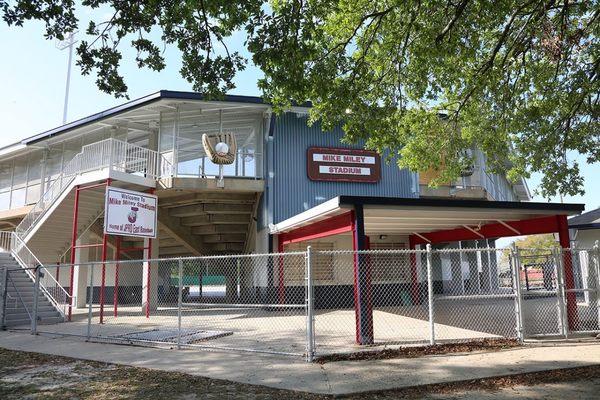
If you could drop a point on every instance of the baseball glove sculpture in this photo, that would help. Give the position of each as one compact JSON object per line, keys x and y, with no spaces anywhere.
{"x":221,"y":148}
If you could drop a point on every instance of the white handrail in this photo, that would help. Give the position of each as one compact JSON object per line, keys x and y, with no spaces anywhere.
{"x":109,"y":153}
{"x":27,"y":260}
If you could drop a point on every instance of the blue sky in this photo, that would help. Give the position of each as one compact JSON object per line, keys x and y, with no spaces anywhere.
{"x":33,"y":75}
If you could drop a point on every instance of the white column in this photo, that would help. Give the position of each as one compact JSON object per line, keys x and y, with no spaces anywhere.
{"x":150,"y":270}
{"x":80,"y":274}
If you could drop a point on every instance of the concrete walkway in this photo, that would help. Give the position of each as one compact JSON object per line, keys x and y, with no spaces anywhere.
{"x":331,"y":378}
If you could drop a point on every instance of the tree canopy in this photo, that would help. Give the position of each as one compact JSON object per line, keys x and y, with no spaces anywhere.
{"x":424,"y":80}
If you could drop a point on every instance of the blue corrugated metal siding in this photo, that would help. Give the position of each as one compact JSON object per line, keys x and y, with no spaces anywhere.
{"x":293,"y":192}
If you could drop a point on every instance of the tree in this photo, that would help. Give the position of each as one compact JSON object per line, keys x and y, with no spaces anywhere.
{"x":538,"y":242}
{"x":425,"y":80}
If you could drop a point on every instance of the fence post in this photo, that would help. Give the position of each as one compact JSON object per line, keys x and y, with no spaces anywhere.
{"x":310,"y":307}
{"x":36,"y":295}
{"x":430,"y":296}
{"x":179,"y":302}
{"x":516,"y":264}
{"x":560,"y":293}
{"x":90,"y":301}
{"x":597,"y":272}
{"x":3,"y":298}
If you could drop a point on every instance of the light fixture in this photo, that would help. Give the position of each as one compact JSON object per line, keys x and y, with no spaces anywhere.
{"x":382,"y":237}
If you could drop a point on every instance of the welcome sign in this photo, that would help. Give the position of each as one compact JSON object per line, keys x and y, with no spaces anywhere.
{"x":129,"y":213}
{"x":350,"y":165}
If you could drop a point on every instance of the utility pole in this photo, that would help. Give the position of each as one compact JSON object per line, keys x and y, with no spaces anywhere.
{"x":62,"y":45}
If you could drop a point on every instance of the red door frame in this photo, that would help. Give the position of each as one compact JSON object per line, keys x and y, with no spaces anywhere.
{"x":351,"y":221}
{"x":328,"y":227}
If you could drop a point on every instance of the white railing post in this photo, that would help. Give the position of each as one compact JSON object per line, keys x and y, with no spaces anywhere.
{"x":310,"y":307}
{"x":561,"y":294}
{"x":179,"y":302}
{"x":516,"y":267}
{"x":111,"y":156}
{"x":596,"y":267}
{"x":430,"y":299}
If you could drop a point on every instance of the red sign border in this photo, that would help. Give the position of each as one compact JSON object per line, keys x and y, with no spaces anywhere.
{"x":313,"y":175}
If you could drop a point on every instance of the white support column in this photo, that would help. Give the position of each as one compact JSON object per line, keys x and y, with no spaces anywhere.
{"x":80,"y":274}
{"x":593,"y":283}
{"x":150,"y":271}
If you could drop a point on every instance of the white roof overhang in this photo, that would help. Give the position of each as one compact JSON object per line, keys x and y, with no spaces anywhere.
{"x":409,"y":216}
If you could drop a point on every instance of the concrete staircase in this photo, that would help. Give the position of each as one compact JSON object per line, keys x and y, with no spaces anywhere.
{"x":20,"y":295}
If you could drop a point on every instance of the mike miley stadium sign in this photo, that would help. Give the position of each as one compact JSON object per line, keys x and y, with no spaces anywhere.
{"x":349,"y":165}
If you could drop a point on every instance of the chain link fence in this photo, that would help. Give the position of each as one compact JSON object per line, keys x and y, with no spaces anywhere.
{"x":316,"y":302}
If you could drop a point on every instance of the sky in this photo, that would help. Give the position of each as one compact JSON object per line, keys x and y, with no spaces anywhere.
{"x":33,"y":76}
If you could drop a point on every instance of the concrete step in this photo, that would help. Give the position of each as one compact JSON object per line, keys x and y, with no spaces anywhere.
{"x":20,"y":309}
{"x":27,"y":322}
{"x":20,"y":280}
{"x":24,"y":293}
{"x":22,"y":315}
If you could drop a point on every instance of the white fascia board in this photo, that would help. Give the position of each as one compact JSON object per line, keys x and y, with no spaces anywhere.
{"x":526,"y":186}
{"x":10,"y":149}
{"x":299,"y":110}
{"x":312,"y":214}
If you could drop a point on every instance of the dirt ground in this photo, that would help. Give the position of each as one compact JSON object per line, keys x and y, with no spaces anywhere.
{"x":36,"y":376}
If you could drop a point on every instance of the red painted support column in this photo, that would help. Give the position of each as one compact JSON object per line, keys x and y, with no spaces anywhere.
{"x":565,"y":244}
{"x":280,"y":272}
{"x":116,"y":287}
{"x":104,"y":253}
{"x":149,"y":257}
{"x":73,"y":250}
{"x":413,"y":271}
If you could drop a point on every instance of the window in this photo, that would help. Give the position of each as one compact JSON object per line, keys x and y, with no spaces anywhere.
{"x":322,"y":263}
{"x":390,"y":267}
{"x":18,"y":198}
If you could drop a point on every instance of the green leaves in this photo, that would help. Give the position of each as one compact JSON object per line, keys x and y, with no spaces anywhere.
{"x":422,"y":80}
{"x":430,"y":80}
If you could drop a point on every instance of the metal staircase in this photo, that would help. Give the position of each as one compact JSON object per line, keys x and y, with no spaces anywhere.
{"x":45,"y":232}
{"x":18,"y":292}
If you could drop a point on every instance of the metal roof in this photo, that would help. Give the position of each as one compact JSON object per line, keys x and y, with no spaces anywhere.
{"x":406,"y":215}
{"x":130,"y":105}
{"x":588,"y":220}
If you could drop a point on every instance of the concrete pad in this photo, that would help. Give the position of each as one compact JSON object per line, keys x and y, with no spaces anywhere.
{"x":331,"y":378}
{"x":268,"y":330}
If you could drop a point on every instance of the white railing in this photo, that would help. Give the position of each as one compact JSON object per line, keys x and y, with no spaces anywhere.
{"x":54,"y":291}
{"x":110,"y":153}
{"x":166,"y":167}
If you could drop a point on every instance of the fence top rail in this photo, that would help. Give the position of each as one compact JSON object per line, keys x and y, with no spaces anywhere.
{"x":273,"y":256}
